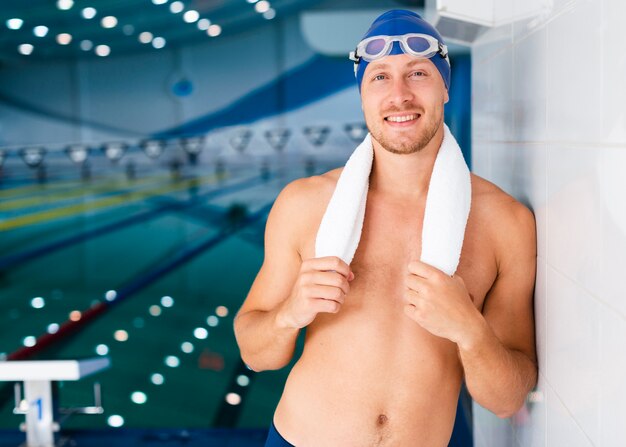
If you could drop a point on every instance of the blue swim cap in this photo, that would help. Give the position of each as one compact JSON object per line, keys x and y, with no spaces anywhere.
{"x":398,"y":22}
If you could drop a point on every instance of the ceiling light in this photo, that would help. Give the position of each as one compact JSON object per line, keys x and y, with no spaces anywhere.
{"x":252,"y":1}
{"x":157,"y":379}
{"x":158,"y":42}
{"x":115,"y":420}
{"x":113,"y":151}
{"x":200,"y":333}
{"x":33,"y":156}
{"x":25,"y":49}
{"x":139,"y":397}
{"x":40,"y":31}
{"x":243,"y":380}
{"x":14,"y":23}
{"x":191,"y":16}
{"x":269,"y":14}
{"x":212,"y":321}
{"x":214,"y":30}
{"x":172,"y":361}
{"x":262,"y":6}
{"x":64,"y":38}
{"x":65,"y":4}
{"x":203,"y":24}
{"x":108,"y":22}
{"x":233,"y":398}
{"x":103,"y":50}
{"x":241,"y":139}
{"x":356,"y":131}
{"x":89,"y":13}
{"x":120,"y":335}
{"x":86,"y":45}
{"x":317,"y":135}
{"x":159,"y":2}
{"x":192,"y":145}
{"x":177,"y":7}
{"x":37,"y":302}
{"x":102,"y":349}
{"x":52,"y":328}
{"x":78,"y":153}
{"x":145,"y":37}
{"x":153,"y":149}
{"x":221,"y":311}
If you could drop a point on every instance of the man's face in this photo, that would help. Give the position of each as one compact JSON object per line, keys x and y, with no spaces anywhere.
{"x":403,"y":98}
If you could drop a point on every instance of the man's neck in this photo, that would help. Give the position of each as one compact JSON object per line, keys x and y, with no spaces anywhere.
{"x":404,"y":175}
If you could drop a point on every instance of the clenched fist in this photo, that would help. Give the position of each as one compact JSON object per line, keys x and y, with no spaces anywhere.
{"x":321,"y":286}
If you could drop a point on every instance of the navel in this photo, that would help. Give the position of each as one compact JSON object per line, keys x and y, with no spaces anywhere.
{"x":382,"y":420}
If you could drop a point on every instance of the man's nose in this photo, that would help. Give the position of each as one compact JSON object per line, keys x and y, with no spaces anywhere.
{"x":400,"y":92}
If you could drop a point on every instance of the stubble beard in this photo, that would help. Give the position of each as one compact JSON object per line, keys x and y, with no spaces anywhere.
{"x":407,"y":147}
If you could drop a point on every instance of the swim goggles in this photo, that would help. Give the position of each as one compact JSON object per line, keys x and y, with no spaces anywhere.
{"x":415,"y":44}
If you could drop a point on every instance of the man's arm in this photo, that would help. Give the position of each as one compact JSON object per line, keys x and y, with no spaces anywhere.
{"x":263,"y":342}
{"x":497,"y":349}
{"x":287,"y":293}
{"x":498,"y":355}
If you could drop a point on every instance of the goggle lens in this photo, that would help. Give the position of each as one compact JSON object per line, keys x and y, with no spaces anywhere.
{"x":375,"y":47}
{"x":418,"y":44}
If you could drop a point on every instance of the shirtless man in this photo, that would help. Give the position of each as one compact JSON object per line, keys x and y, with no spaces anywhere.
{"x":389,"y":339}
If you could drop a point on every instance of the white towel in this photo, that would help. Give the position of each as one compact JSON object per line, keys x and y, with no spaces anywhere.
{"x":445,"y":217}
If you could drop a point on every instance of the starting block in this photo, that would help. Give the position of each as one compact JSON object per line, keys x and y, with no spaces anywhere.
{"x":38,"y":404}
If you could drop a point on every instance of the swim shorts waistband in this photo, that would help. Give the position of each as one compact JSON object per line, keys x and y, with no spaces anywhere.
{"x":275,"y":439}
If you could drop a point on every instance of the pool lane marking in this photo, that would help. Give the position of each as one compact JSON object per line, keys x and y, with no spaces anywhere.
{"x":78,"y":191}
{"x":38,"y":187}
{"x":16,"y":259}
{"x":34,"y":186}
{"x":186,"y":253}
{"x":106,"y":202}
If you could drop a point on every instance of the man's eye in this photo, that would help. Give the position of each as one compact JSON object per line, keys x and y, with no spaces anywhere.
{"x":379,"y":77}
{"x":418,"y":74}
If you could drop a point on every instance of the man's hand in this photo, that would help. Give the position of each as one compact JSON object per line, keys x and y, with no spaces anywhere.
{"x":440,"y":303}
{"x":321,"y":286}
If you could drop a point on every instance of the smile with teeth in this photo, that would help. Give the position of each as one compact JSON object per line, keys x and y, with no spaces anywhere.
{"x":401,"y":119}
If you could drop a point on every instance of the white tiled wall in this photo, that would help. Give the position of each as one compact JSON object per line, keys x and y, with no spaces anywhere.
{"x":549,"y":127}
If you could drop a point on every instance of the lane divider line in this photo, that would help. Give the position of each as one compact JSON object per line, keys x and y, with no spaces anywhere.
{"x":185,"y":254}
{"x":16,"y":259}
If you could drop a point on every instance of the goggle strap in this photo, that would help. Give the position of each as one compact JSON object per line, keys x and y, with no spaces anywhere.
{"x":443,"y":51}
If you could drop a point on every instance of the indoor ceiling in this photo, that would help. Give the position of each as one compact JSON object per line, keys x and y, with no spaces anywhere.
{"x":38,"y":30}
{"x":58,"y":29}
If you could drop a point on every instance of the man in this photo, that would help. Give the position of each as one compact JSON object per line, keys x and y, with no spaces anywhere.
{"x":389,"y":339}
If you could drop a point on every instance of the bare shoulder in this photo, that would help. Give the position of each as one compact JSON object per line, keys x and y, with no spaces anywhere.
{"x":307,"y":194}
{"x":510,"y":224}
{"x":302,"y":202}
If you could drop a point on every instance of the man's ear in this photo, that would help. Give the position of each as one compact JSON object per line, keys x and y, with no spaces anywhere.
{"x":447,"y":97}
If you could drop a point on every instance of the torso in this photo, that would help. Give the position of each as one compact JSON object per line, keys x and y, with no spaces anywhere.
{"x":369,"y":375}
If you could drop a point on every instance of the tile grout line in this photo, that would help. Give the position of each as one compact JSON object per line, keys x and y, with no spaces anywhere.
{"x":586,"y":290}
{"x":567,"y":410}
{"x":577,"y":144}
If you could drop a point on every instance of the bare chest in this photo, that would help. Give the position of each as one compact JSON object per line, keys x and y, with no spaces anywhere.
{"x":371,"y":331}
{"x":391,"y":239}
